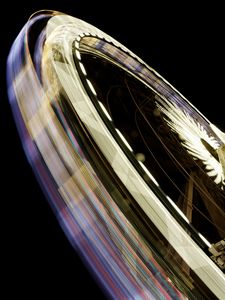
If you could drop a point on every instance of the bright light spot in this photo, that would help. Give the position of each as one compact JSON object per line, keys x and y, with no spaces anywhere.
{"x":140,"y":157}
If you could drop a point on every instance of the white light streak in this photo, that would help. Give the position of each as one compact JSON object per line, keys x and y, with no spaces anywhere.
{"x":177,"y":209}
{"x":78,"y":54}
{"x":148,"y":173}
{"x":91,"y":87}
{"x":104,"y":110}
{"x":204,"y":240}
{"x":77,"y":44}
{"x":83,"y":69}
{"x":218,"y":132}
{"x":124,"y":140}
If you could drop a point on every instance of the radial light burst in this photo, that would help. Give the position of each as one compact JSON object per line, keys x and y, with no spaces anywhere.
{"x":200,"y":143}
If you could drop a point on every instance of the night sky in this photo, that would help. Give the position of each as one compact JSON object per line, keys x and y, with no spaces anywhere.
{"x":184,"y":44}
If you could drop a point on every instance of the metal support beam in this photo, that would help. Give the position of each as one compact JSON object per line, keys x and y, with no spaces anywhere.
{"x":188,"y":201}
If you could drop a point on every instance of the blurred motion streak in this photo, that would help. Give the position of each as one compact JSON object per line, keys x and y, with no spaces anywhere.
{"x":85,"y":173}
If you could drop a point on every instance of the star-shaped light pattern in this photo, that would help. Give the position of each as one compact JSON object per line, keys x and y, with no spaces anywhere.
{"x":194,"y":137}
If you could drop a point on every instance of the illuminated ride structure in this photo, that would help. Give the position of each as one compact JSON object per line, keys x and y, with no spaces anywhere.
{"x":133,"y":171}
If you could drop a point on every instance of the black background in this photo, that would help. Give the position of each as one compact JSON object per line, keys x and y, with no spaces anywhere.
{"x":184,"y":43}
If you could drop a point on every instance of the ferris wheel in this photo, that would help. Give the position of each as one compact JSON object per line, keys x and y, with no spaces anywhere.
{"x":133,"y":171}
